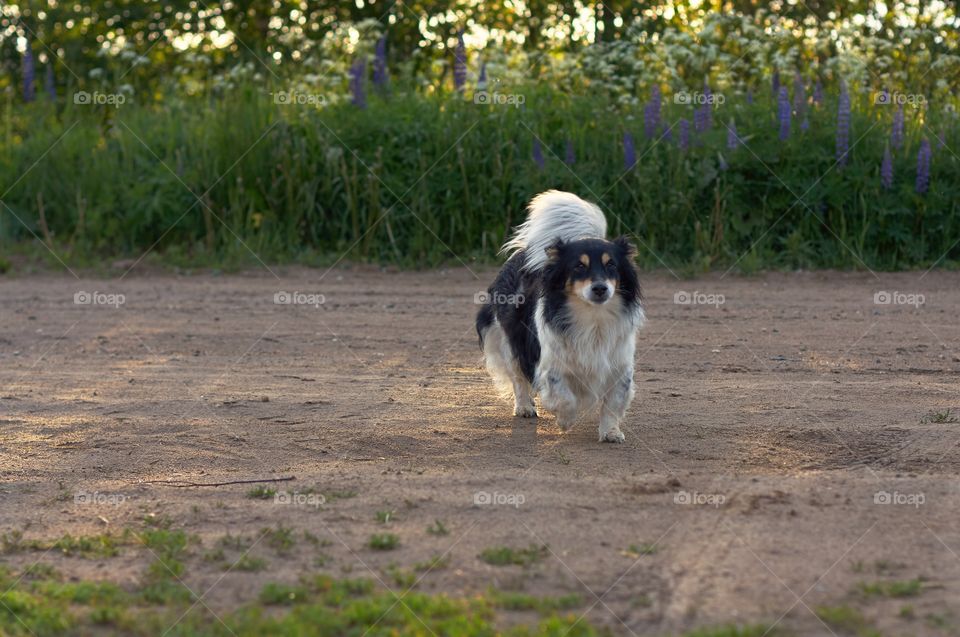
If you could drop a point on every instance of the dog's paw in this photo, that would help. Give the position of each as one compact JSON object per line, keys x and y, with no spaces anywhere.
{"x":525,"y":411}
{"x":614,"y":435}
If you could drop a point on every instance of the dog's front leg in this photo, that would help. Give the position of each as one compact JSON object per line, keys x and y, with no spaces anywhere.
{"x":614,"y":406}
{"x":557,"y":397}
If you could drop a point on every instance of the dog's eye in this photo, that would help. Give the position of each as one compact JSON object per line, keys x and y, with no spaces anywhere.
{"x":580,"y":267}
{"x":611,"y":266}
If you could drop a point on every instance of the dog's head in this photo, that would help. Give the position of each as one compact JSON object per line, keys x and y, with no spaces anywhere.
{"x":594,"y":271}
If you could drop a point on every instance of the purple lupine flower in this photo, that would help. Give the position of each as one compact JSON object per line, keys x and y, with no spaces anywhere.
{"x":538,"y":154}
{"x":923,"y":167}
{"x":896,"y":133}
{"x":749,"y":96}
{"x":699,"y":123}
{"x":460,"y":64}
{"x":358,"y":76}
{"x":381,"y":76}
{"x":783,"y":112}
{"x":843,"y":126}
{"x":651,"y":113}
{"x":884,"y":97}
{"x":805,"y":125}
{"x":733,"y":140}
{"x":28,"y":74}
{"x":667,"y":133}
{"x":482,"y":79}
{"x":629,"y":151}
{"x":775,"y":82}
{"x":706,"y":115}
{"x":684,"y":140}
{"x":799,"y":95}
{"x":50,"y":83}
{"x":818,"y":92}
{"x":886,"y":169}
{"x":568,"y":156}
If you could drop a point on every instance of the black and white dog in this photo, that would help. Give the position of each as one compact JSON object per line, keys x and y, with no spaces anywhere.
{"x":561,"y":318}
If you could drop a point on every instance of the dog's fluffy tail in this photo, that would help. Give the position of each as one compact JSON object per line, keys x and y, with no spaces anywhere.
{"x":554,"y":215}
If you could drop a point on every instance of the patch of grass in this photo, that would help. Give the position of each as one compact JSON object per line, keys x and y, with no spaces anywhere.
{"x":279,"y":539}
{"x":5,"y":265}
{"x":282,"y":594}
{"x":941,"y":417}
{"x":434,"y":563}
{"x":846,"y":619}
{"x":384,"y":517}
{"x":235,"y":542}
{"x":383,"y":541}
{"x":438,"y":528}
{"x":262,"y":492}
{"x":730,"y":630}
{"x":403,"y":578}
{"x":505,"y":555}
{"x":87,"y":546}
{"x":907,"y":612}
{"x":899,"y":588}
{"x":11,"y":542}
{"x":319,"y":605}
{"x":636,"y":550}
{"x":166,"y":592}
{"x":248,"y":564}
{"x":332,"y":496}
{"x":509,"y":600}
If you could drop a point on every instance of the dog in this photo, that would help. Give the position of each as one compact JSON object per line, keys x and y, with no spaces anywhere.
{"x":561,"y":318}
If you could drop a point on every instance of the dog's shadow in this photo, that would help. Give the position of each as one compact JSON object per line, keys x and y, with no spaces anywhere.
{"x":524,"y":433}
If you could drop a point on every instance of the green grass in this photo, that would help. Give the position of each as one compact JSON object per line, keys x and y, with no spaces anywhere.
{"x":899,"y":588}
{"x":325,"y":182}
{"x":946,"y":416}
{"x":247,"y":563}
{"x":847,"y":619}
{"x":636,"y":550}
{"x":438,"y":528}
{"x":384,"y":517}
{"x":505,"y":555}
{"x":383,"y":541}
{"x":262,"y":492}
{"x":511,"y":600}
{"x":751,"y":630}
{"x":280,"y":539}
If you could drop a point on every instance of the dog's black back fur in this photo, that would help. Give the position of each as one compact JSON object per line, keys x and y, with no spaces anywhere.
{"x":513,"y":297}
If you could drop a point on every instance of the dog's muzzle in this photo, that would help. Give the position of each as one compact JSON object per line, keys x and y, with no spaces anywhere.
{"x":599,"y":293}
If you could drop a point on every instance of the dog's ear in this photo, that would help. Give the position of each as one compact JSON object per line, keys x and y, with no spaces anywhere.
{"x":553,"y":250}
{"x":626,"y":247}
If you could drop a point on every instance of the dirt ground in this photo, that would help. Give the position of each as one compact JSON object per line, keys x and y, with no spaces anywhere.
{"x":786,"y":446}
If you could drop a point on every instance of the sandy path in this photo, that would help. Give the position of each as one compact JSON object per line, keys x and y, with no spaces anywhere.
{"x":789,"y":407}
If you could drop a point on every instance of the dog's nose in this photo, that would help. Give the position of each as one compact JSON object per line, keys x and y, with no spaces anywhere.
{"x":599,"y":290}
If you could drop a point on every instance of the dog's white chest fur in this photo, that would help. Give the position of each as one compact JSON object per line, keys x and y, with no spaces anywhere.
{"x":592,"y":354}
